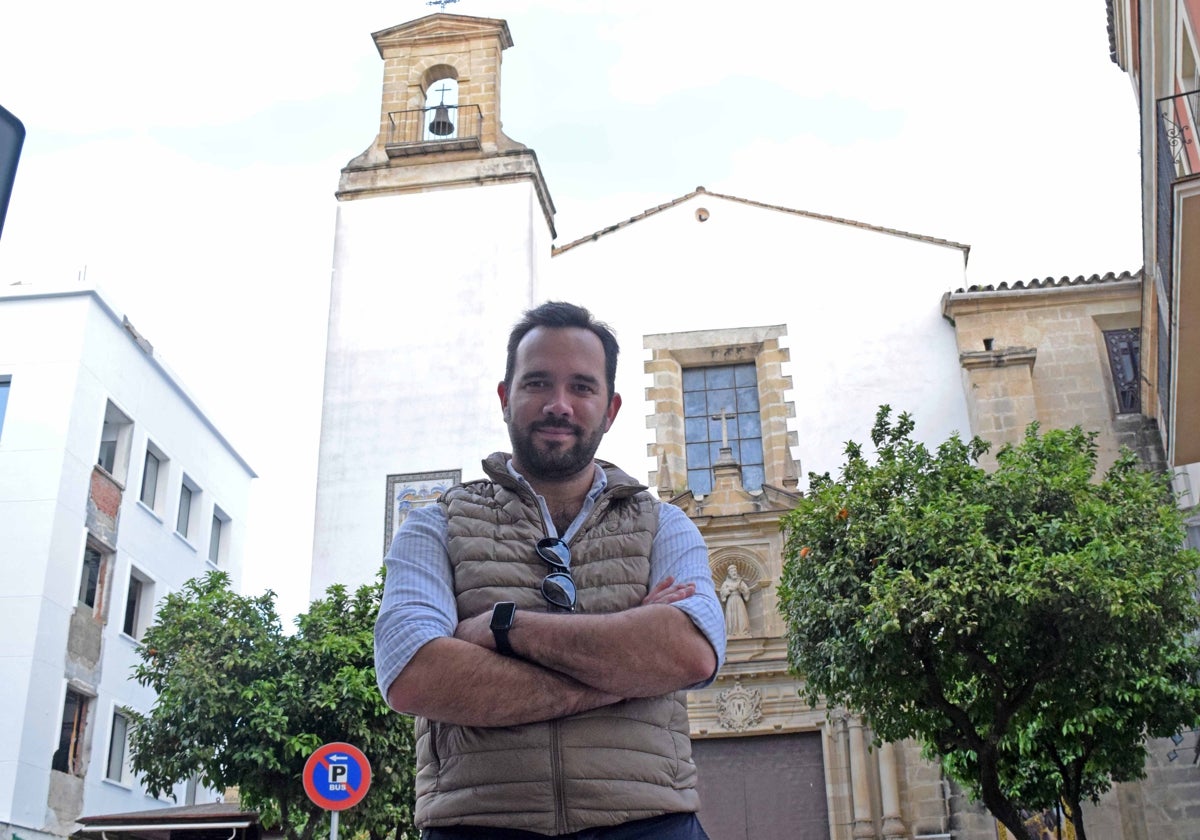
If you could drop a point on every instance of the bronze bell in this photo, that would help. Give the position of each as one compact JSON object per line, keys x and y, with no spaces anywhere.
{"x":441,"y":125}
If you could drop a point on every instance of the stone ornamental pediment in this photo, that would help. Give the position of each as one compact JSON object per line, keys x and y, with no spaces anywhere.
{"x":442,"y":25}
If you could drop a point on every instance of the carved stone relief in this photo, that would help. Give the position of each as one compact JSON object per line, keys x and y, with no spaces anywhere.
{"x":739,"y":708}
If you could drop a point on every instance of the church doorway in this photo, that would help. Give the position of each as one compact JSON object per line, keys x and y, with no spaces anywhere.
{"x":762,"y":786}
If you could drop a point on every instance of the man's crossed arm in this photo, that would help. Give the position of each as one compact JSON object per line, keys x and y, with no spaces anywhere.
{"x":564,"y":664}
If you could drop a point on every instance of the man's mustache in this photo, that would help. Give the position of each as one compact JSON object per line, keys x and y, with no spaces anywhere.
{"x":557,"y":423}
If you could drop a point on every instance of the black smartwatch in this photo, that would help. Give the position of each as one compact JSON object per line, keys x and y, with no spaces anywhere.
{"x":502,"y":621}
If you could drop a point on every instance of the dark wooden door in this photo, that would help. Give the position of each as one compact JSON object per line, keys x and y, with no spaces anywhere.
{"x":766,"y":787}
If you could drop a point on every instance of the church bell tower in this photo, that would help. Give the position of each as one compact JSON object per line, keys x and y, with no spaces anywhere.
{"x":444,"y":232}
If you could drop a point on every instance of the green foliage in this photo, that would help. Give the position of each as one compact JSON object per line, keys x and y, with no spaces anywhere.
{"x":241,"y":704}
{"x":1030,"y":626}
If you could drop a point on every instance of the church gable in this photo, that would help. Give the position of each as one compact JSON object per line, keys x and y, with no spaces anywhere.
{"x":441,"y":26}
{"x":705,"y":200}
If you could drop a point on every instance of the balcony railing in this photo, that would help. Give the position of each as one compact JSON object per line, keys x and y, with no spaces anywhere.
{"x":443,"y":128}
{"x":1178,"y":117}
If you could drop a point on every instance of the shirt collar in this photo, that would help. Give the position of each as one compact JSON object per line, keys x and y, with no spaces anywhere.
{"x":599,"y":484}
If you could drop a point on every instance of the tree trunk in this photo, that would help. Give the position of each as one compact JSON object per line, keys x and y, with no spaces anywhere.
{"x":1075,"y":815}
{"x":996,"y":802}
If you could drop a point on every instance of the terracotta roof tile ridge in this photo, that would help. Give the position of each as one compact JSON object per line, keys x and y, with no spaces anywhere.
{"x":1111,"y":26}
{"x":966,"y":249}
{"x":1052,"y":282}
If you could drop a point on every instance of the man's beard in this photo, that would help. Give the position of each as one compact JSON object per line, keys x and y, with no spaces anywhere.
{"x":557,"y":463}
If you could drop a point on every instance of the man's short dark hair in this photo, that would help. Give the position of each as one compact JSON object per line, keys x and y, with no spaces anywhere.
{"x":557,"y":314}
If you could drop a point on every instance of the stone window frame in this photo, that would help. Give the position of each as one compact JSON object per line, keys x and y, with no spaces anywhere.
{"x":1103,"y":324}
{"x":671,"y":353}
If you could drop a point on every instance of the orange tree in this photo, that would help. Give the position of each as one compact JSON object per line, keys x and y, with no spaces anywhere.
{"x":1030,"y":626}
{"x":242,"y":704}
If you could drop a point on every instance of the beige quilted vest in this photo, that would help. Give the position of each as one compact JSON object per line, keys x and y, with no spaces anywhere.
{"x":628,"y":761}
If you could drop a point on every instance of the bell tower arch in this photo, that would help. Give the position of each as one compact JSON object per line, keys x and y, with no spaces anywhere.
{"x":405,"y":155}
{"x":443,"y":235}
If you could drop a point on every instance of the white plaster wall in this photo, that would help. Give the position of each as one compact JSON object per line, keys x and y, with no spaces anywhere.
{"x":862,"y":310}
{"x":425,"y":288}
{"x":67,"y":355}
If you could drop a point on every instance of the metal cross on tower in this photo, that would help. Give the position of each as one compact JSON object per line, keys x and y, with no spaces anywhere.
{"x":442,"y":3}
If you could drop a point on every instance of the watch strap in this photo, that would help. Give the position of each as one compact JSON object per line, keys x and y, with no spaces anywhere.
{"x":502,"y":620}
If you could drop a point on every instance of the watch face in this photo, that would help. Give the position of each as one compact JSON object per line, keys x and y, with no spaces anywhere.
{"x":502,"y":615}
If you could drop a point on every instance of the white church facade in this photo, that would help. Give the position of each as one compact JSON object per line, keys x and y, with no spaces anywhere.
{"x":757,"y":340}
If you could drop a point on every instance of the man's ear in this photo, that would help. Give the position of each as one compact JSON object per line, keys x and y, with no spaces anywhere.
{"x":502,"y":392}
{"x":614,"y":405}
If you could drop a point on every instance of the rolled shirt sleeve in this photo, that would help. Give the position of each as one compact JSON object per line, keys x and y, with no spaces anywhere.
{"x":418,"y":594}
{"x":679,"y":551}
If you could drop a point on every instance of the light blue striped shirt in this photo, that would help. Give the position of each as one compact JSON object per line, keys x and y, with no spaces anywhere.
{"x":418,"y":594}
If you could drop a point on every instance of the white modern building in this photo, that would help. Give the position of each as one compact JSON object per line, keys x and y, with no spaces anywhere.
{"x":115,"y":489}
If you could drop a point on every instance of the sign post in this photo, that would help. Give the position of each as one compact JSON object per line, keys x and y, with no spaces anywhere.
{"x":336,"y":777}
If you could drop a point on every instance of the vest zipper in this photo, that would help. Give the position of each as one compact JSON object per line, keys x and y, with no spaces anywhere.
{"x":560,"y":805}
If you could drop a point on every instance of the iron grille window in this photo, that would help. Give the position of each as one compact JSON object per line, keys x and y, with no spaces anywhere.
{"x":1123,"y":361}
{"x":722,"y":403}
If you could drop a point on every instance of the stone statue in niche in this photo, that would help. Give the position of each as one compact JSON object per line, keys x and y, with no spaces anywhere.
{"x":735,"y":594}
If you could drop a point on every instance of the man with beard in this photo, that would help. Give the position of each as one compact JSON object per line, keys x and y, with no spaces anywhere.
{"x":542,"y":624}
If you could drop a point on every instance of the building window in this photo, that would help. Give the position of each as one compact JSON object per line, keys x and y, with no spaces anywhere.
{"x":726,"y":385}
{"x":218,"y":537}
{"x":68,"y":758}
{"x":118,"y":749}
{"x":720,"y":405}
{"x":185,"y":510}
{"x":154,"y":475}
{"x":89,"y":582}
{"x":5,"y":384}
{"x":1124,"y":360}
{"x":188,"y":494}
{"x":113,"y":456}
{"x":138,"y":603}
{"x":150,"y":479}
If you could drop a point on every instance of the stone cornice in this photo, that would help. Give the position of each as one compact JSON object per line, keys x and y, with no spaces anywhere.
{"x":1004,"y":357}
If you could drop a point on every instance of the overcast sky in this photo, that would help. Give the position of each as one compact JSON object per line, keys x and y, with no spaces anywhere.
{"x":185,"y":158}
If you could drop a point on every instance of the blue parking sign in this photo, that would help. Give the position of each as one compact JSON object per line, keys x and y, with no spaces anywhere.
{"x":337,"y":776}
